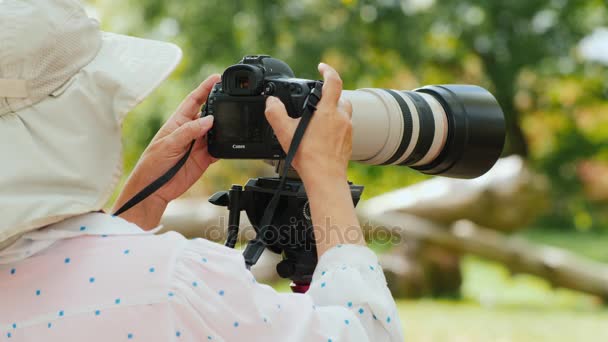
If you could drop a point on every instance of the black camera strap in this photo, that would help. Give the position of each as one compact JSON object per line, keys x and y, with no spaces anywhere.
{"x":157,"y":184}
{"x":255,"y":247}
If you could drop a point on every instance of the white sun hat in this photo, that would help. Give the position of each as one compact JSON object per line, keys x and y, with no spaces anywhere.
{"x":65,"y":87}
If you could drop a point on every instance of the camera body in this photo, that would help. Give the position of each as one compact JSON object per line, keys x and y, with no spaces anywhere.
{"x":238,"y":102}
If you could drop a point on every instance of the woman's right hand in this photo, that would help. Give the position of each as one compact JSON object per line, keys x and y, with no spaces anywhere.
{"x":327,"y":143}
{"x":321,"y":162}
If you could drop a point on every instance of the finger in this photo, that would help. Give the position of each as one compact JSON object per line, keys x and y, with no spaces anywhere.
{"x":189,"y":131}
{"x":191,"y":105}
{"x":332,"y":86}
{"x":347,"y":107}
{"x":189,"y":108}
{"x":283,"y":126}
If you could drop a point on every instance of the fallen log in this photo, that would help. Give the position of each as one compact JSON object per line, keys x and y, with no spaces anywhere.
{"x":559,"y":267}
{"x":506,"y":198}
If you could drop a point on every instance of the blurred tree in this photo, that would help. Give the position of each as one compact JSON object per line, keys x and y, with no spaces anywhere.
{"x":506,"y":36}
{"x":519,"y":49}
{"x":512,"y":36}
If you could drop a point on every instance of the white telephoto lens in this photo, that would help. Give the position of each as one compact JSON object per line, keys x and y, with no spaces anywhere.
{"x":393,"y":127}
{"x":441,"y":130}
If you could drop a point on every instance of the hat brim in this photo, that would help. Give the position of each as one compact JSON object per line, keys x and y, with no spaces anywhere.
{"x":67,"y":160}
{"x":138,"y":66}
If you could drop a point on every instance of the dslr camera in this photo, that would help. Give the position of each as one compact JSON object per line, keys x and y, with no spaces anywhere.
{"x":449,"y":130}
{"x":240,"y":128}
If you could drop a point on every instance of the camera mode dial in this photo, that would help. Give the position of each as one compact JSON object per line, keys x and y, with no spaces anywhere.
{"x":270,"y":88}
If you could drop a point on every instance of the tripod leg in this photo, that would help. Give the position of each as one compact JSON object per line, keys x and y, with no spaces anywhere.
{"x":234,"y":215}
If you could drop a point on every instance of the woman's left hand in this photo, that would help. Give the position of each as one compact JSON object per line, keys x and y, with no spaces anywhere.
{"x":168,"y":146}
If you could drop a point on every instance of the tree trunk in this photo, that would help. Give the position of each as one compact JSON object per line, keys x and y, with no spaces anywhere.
{"x":504,"y":76}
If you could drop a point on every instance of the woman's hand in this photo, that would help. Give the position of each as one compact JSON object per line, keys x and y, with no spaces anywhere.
{"x":168,"y":146}
{"x":327,"y":143}
{"x":321,"y":162}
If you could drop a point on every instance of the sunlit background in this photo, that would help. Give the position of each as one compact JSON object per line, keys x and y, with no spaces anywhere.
{"x":545,"y":60}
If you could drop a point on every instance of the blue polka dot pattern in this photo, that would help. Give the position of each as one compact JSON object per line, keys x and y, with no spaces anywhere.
{"x":329,"y":340}
{"x":14,"y":325}
{"x":207,"y":280}
{"x":83,"y":228}
{"x":9,"y":335}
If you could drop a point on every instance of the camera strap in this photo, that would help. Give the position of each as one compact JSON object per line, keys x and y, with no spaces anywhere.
{"x":157,"y":184}
{"x":255,"y":247}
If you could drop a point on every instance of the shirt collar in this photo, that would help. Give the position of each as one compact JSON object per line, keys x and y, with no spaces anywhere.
{"x":87,"y":224}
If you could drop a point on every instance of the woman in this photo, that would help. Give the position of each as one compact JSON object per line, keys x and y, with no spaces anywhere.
{"x":70,"y":272}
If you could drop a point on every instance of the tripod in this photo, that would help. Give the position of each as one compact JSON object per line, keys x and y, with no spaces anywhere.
{"x":291,"y":232}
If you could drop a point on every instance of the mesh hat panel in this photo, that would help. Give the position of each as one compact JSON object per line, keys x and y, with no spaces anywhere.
{"x":60,"y":43}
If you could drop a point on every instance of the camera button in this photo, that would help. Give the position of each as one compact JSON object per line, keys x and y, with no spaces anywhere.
{"x":269,"y":89}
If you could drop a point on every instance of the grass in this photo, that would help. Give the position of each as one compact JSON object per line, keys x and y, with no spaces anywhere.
{"x":439,"y":321}
{"x":499,"y":306}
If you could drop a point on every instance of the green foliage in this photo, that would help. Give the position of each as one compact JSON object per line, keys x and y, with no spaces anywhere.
{"x":522,"y":50}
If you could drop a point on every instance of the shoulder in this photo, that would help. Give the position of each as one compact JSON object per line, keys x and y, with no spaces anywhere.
{"x":199,"y":255}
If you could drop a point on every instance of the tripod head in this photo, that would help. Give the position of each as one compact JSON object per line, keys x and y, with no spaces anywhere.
{"x":291,"y":232}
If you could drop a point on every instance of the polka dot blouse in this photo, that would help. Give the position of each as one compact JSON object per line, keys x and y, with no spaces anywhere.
{"x":99,"y":278}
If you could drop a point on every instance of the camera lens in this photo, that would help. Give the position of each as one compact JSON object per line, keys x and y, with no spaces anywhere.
{"x":449,"y":130}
